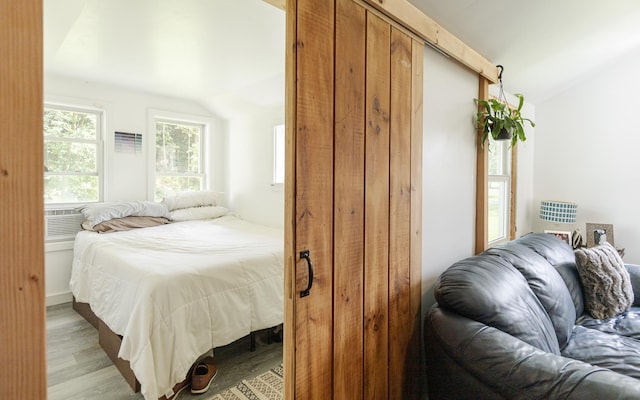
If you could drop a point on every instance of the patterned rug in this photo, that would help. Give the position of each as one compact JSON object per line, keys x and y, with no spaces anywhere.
{"x":266,"y":386}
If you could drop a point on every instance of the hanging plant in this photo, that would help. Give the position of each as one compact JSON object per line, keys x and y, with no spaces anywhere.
{"x":497,"y":118}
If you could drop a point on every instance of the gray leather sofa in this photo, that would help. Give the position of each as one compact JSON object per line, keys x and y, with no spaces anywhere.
{"x":510,"y":323}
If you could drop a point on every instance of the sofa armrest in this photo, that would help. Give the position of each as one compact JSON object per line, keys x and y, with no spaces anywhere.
{"x":634,"y":273}
{"x":512,"y":368}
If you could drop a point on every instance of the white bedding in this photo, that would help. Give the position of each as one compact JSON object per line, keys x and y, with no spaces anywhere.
{"x":175,"y":291}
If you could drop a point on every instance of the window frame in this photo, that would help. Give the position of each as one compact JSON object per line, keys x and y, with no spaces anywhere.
{"x":99,"y":141}
{"x":205,"y":154}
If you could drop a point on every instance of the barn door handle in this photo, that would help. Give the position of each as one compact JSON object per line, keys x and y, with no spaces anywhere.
{"x":305,"y":255}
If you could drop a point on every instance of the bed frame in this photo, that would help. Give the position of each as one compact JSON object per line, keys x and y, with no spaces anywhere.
{"x":110,"y":343}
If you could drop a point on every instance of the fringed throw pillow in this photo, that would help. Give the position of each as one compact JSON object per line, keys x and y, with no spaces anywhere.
{"x":605,"y":281}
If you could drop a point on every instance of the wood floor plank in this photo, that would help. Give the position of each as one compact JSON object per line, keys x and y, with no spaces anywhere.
{"x":78,"y":368}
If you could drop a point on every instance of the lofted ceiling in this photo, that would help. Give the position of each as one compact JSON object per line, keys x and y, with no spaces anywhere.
{"x":230,"y":53}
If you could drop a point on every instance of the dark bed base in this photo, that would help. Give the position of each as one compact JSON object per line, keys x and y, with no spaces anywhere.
{"x":110,"y":343}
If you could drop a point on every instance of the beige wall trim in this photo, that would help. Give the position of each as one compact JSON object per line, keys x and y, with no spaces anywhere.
{"x":514,"y":193}
{"x":482,"y":180}
{"x":281,"y":4}
{"x":429,"y":30}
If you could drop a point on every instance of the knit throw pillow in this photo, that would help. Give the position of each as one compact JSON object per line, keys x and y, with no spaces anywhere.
{"x":605,"y":281}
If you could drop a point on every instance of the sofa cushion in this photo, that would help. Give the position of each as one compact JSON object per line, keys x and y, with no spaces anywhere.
{"x":554,"y":250}
{"x":490,"y":290}
{"x":618,"y":353}
{"x":624,"y":324}
{"x":468,"y":360}
{"x":571,"y":277}
{"x":545,"y":282}
{"x":605,"y":281}
{"x":559,"y":254}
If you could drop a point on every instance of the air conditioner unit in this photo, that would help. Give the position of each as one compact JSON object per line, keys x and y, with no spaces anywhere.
{"x":61,"y":224}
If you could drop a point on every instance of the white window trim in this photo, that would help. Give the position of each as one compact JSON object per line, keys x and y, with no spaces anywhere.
{"x":170,"y":116}
{"x":83,"y":105}
{"x":506,"y":211}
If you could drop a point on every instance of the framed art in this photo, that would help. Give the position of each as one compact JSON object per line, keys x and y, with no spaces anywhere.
{"x":599,"y":232}
{"x":562,"y":235}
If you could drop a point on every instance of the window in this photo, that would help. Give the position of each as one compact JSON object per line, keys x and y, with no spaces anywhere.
{"x":72,"y":155}
{"x":499,"y":203}
{"x":179,"y":157}
{"x":278,"y":154}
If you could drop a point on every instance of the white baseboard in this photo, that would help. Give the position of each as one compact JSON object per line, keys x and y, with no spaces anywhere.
{"x":58,"y":246}
{"x":58,"y":298}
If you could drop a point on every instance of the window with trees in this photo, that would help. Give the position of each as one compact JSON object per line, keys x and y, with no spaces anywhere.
{"x":72,"y":155}
{"x":499,"y":193}
{"x":179,"y":157}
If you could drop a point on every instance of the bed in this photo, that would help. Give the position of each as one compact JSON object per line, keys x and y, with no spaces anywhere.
{"x":172,"y":292}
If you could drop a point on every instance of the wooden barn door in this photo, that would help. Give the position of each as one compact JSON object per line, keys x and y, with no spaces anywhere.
{"x":353,"y":201}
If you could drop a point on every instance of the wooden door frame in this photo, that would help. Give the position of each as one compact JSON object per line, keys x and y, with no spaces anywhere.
{"x":22,"y":318}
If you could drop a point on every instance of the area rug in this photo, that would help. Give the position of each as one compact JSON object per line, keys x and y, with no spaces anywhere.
{"x":266,"y":386}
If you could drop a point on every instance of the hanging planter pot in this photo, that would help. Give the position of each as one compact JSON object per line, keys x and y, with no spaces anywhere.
{"x":504,"y":134}
{"x":496,"y":118}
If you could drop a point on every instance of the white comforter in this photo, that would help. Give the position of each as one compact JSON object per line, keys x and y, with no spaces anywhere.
{"x":175,"y":291}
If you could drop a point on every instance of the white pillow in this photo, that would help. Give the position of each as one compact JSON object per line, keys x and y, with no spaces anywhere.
{"x":191,"y":199}
{"x":101,"y":212}
{"x":205,"y":212}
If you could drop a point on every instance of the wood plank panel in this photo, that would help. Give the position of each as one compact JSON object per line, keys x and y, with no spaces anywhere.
{"x":349,"y":201}
{"x":400,"y":318}
{"x":482,"y":183}
{"x":417,"y":95}
{"x":22,"y":314}
{"x":289,"y":338}
{"x":433,"y":33}
{"x":377,"y":208}
{"x":314,"y":196}
{"x":513,"y":187}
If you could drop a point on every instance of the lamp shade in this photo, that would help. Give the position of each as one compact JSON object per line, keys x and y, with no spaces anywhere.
{"x":558,"y":211}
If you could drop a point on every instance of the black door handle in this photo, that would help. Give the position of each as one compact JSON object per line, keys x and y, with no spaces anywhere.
{"x":305,"y":255}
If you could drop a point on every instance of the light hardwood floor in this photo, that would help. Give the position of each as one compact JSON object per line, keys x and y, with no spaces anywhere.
{"x":77,"y":368}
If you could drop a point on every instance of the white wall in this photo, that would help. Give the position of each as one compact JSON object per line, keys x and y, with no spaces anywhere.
{"x":449,"y":167}
{"x":586,"y":151}
{"x":250,"y":161}
{"x":526,"y":206}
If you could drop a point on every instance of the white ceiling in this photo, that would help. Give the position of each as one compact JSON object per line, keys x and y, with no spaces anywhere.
{"x":216,"y":52}
{"x":221,"y":52}
{"x":545,"y":46}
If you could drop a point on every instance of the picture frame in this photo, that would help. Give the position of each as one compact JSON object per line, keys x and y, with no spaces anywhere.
{"x":594,"y":232}
{"x":562,"y":235}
